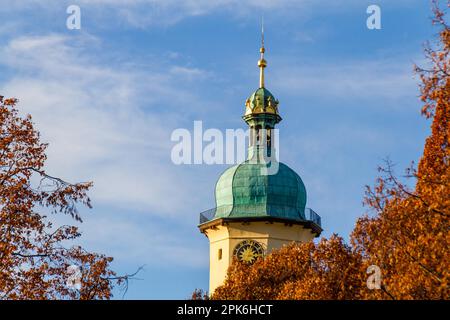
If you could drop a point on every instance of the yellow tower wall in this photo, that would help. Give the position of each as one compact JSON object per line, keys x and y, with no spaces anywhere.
{"x":225,"y":237}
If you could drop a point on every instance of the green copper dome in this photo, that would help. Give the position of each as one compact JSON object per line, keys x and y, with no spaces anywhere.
{"x":251,"y":191}
{"x":245,"y":190}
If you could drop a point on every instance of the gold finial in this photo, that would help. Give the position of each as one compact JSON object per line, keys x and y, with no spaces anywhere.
{"x":262,"y":63}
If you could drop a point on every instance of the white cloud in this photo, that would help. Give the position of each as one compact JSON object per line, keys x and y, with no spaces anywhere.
{"x":109,"y":125}
{"x":112,"y":125}
{"x":381,"y":78}
{"x":141,"y":243}
{"x":147,"y":13}
{"x":189,"y":73}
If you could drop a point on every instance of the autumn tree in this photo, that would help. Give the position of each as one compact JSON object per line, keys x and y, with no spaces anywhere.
{"x":406,"y":235}
{"x":34,"y":259}
{"x":327,"y":270}
{"x":409,"y":235}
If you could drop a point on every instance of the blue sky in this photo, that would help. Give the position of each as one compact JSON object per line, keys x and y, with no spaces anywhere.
{"x":107,"y":97}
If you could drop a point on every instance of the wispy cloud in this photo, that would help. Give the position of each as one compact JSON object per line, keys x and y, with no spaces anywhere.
{"x":383,"y":78}
{"x":97,"y":121}
{"x":189,"y":73}
{"x":112,"y":125}
{"x":148,"y":13}
{"x":142,"y":243}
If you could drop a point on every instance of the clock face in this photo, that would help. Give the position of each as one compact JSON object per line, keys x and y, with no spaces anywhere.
{"x":248,"y":251}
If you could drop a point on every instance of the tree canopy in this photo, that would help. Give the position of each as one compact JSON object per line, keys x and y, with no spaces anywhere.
{"x":34,"y":260}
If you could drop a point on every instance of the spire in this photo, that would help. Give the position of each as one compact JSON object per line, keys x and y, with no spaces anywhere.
{"x":261,"y":103}
{"x":262,"y":63}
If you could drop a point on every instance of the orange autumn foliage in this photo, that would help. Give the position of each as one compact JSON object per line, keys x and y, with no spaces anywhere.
{"x":33,"y":258}
{"x":328,"y":270}
{"x":407,"y":235}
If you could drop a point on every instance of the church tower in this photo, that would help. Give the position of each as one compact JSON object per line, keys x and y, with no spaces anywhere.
{"x":260,"y":203}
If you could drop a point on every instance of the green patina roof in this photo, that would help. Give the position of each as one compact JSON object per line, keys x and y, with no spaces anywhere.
{"x":244,"y":191}
{"x":262,"y":93}
{"x":261,"y":101}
